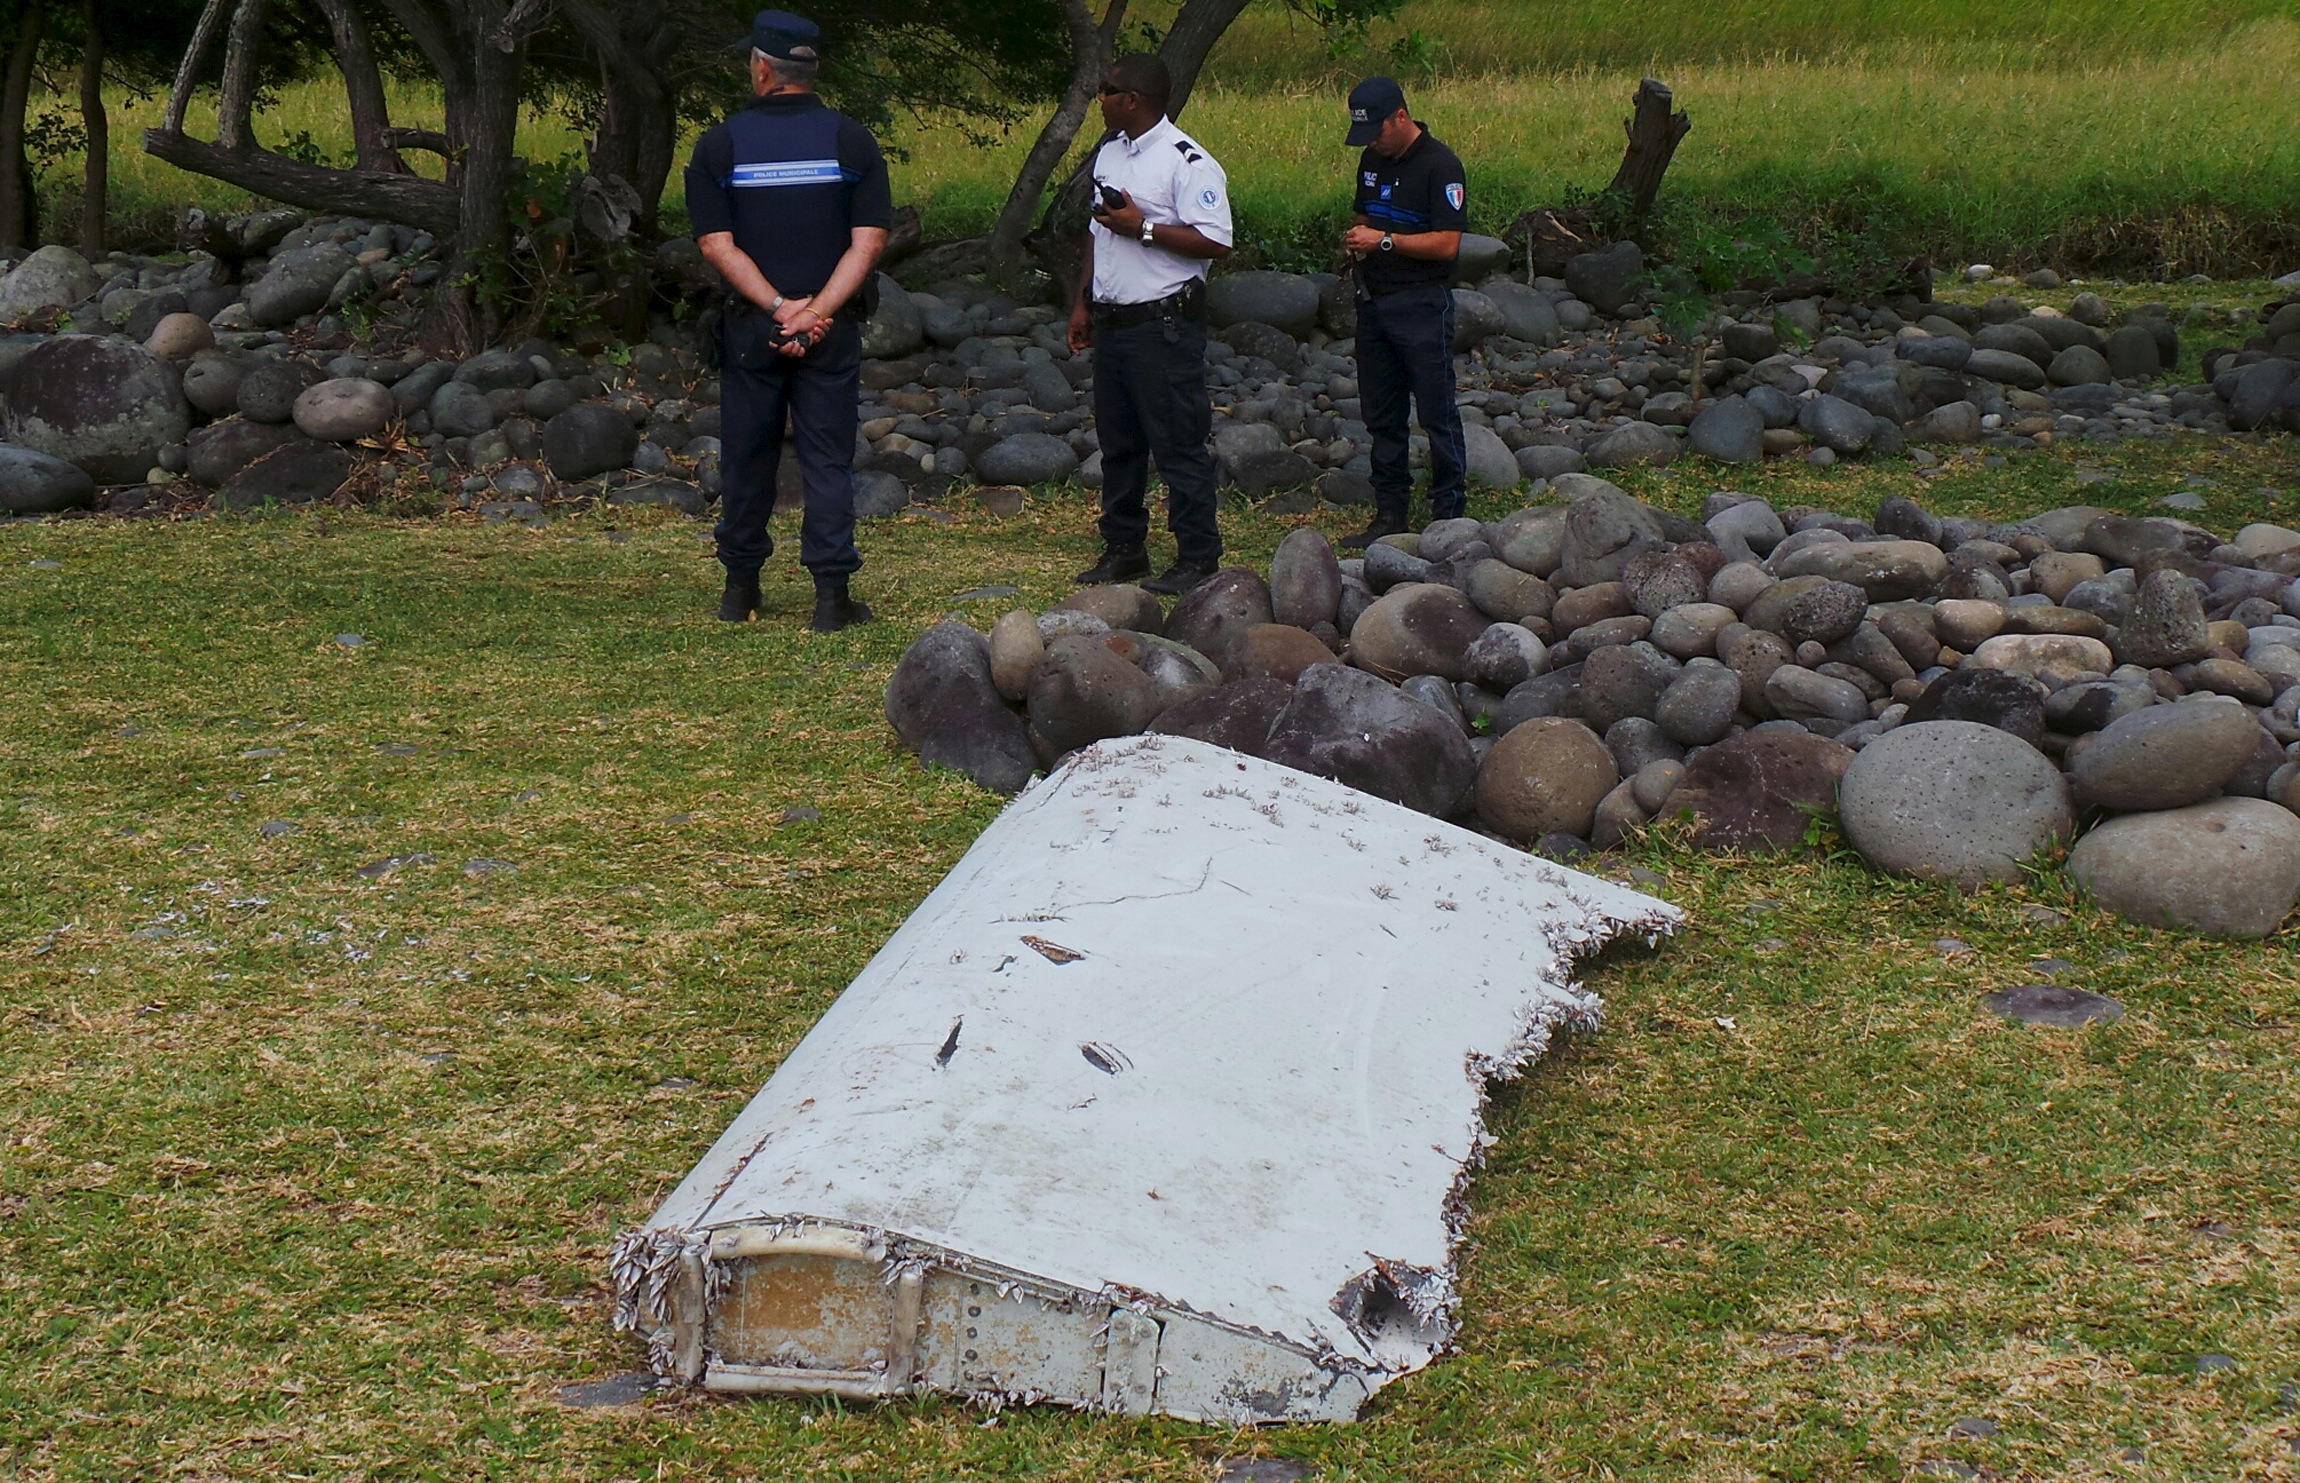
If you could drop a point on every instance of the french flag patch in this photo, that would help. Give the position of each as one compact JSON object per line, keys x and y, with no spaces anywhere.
{"x":1453,"y":194}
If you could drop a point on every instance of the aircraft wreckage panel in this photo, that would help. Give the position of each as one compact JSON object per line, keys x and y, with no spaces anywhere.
{"x":1162,"y":1101}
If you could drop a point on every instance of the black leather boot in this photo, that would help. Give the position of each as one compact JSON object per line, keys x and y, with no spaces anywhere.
{"x":835,"y":610}
{"x":1180,"y":577}
{"x":740,"y":600}
{"x":1118,"y":564}
{"x":1382,"y":525}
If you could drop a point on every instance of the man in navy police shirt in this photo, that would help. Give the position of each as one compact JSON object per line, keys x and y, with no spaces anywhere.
{"x":790,"y":203}
{"x":1412,"y":208}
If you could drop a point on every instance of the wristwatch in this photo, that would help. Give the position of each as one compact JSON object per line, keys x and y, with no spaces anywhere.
{"x":777,"y":304}
{"x":1388,"y":244}
{"x":1149,"y":233}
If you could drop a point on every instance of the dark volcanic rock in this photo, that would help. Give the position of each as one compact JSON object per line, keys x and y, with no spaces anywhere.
{"x":1238,"y":715}
{"x":296,"y":473}
{"x":1347,"y":725}
{"x":1212,"y":616}
{"x":1760,"y":790}
{"x":941,"y":702}
{"x":1082,"y":692}
{"x":105,"y":404}
{"x":587,"y":440}
{"x":1993,"y":697}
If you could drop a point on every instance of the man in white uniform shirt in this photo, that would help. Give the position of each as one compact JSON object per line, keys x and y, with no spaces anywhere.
{"x":1162,"y":214}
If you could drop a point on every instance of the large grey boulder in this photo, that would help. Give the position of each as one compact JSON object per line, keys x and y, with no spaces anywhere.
{"x":1027,"y":458}
{"x":1953,"y":801}
{"x":1479,"y":256}
{"x":1213,"y":616}
{"x":1476,"y":319}
{"x":36,"y":483}
{"x":1305,"y":580}
{"x":1632,"y":444}
{"x":587,"y":440}
{"x":1287,"y":300}
{"x":51,"y":279}
{"x":2008,"y":367}
{"x":1608,"y":278}
{"x":1083,"y":692}
{"x":1728,"y":430}
{"x":1417,"y":629}
{"x":216,"y":452}
{"x":2165,"y":756}
{"x":897,"y":328}
{"x":458,"y":410}
{"x":944,"y":706}
{"x":1344,"y":724}
{"x":1887,"y":571}
{"x":1525,"y":314}
{"x":1760,"y":790}
{"x":105,"y":404}
{"x":344,"y":409}
{"x":297,"y":283}
{"x":299,"y":472}
{"x":2228,"y":868}
{"x":1491,"y":464}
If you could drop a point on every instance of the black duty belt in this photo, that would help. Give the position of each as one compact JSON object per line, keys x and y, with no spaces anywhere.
{"x":1186,"y":302}
{"x":1384,"y":290}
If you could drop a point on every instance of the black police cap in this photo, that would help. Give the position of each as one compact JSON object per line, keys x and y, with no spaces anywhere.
{"x":779,"y":33}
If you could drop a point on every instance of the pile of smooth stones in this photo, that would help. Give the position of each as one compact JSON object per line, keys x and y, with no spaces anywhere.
{"x":1964,"y":698}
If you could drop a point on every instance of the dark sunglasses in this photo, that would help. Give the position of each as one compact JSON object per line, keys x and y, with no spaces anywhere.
{"x":1108,"y":91}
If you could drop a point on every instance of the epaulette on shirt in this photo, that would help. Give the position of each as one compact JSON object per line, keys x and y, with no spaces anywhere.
{"x":1189,"y":151}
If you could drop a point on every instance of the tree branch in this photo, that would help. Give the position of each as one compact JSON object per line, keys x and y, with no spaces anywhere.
{"x":188,"y":70}
{"x":235,"y":128}
{"x":421,"y":203}
{"x":362,"y":88}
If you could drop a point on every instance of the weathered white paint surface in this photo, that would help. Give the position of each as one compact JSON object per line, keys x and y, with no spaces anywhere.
{"x":1187,"y":1038}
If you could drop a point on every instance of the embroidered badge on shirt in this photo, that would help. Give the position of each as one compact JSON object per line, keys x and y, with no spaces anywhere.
{"x":1208,"y":196}
{"x":1453,"y":195}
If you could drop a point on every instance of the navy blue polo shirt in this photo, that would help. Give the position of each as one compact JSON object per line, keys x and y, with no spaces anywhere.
{"x":1422,"y":190}
{"x":791,"y":178}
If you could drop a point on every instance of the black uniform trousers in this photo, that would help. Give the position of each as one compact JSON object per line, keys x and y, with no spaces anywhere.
{"x":1405,"y":348}
{"x":817,"y":392}
{"x":1150,"y":402}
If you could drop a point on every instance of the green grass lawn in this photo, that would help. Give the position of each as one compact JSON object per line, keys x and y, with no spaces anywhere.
{"x":312,"y":1174}
{"x":2158,"y":137}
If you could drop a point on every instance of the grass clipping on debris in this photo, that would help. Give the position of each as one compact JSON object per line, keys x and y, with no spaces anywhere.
{"x":311,"y":1172}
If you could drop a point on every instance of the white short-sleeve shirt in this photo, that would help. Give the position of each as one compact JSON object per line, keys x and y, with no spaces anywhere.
{"x":1176,"y":183}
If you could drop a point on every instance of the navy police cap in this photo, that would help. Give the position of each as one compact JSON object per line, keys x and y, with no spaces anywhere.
{"x":779,"y":33}
{"x":1372,"y":103}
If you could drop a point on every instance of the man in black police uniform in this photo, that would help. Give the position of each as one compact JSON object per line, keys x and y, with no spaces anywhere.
{"x":1412,"y":208}
{"x":1162,"y":214}
{"x":790,"y":203}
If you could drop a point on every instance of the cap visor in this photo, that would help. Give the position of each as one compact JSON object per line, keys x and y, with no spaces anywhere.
{"x":1362,"y":135}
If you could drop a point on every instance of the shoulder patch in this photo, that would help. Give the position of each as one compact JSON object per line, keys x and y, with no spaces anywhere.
{"x":1453,"y":195}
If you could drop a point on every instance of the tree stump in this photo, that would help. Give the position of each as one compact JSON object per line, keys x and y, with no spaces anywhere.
{"x":1654,"y":133}
{"x":1549,"y":235}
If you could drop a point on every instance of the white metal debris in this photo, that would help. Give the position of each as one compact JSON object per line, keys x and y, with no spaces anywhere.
{"x":1164,"y":1100}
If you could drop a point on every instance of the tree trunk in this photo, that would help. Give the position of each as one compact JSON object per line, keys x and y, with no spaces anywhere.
{"x":95,"y":174}
{"x":19,"y":205}
{"x":235,"y":102}
{"x":1190,"y":40}
{"x":1089,"y":60}
{"x":638,"y":124}
{"x":1653,"y":136}
{"x":363,"y":89}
